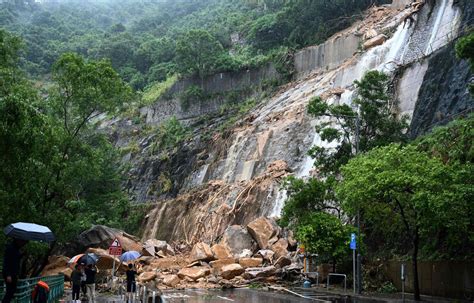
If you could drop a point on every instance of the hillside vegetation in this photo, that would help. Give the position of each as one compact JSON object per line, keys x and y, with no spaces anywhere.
{"x":147,"y":41}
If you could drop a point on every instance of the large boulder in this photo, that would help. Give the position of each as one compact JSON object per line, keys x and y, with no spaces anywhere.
{"x":171,"y":280}
{"x":221,"y":251}
{"x":147,"y":277}
{"x":280,"y":248}
{"x":154,"y":247}
{"x":218,"y":264}
{"x":250,"y":262}
{"x":57,"y":265}
{"x":100,"y":236}
{"x":282,"y":262}
{"x":232,"y":270}
{"x":201,"y":252}
{"x":170,"y":263}
{"x":194,"y":273}
{"x":106,"y":261}
{"x":265,"y":231}
{"x":377,"y":40}
{"x":259,"y":272}
{"x":237,"y":239}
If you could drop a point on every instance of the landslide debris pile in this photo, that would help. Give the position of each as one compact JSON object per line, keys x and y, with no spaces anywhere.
{"x":260,"y":252}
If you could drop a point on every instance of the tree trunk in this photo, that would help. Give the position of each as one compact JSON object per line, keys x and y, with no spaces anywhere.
{"x":416,"y":285}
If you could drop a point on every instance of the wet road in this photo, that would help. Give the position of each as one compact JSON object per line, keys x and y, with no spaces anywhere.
{"x":235,"y":295}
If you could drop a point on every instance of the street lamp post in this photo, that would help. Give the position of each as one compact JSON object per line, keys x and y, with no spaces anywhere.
{"x":359,"y":255}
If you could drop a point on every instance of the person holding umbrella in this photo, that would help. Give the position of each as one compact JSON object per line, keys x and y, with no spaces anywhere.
{"x":91,"y":271}
{"x":131,"y":284}
{"x":21,"y":233}
{"x":11,"y":267}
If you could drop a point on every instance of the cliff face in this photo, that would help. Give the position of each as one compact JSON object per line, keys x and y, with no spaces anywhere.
{"x":444,"y":95}
{"x":234,"y":176}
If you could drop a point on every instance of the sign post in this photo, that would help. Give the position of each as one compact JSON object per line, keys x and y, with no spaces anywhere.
{"x":402,"y":272}
{"x":115,"y":249}
{"x":353,"y":246}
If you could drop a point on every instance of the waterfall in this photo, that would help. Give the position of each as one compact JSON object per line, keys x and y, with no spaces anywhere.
{"x":280,"y":199}
{"x":436,"y":25}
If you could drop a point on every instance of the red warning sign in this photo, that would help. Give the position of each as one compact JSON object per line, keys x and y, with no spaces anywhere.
{"x":115,"y":249}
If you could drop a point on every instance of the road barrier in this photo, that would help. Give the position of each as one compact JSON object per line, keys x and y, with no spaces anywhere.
{"x":339,"y":275}
{"x":26,"y":286}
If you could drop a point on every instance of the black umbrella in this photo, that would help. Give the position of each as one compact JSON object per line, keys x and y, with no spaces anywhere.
{"x":29,"y":232}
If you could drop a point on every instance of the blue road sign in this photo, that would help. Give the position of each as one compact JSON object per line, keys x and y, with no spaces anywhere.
{"x":353,"y":244}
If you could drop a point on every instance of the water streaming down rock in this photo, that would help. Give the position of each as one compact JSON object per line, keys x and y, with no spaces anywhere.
{"x":281,"y":129}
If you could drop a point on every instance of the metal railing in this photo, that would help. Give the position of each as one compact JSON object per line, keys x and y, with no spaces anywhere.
{"x":142,"y":294}
{"x":339,"y":275}
{"x":26,"y":286}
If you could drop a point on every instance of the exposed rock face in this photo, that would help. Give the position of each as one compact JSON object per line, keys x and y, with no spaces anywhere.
{"x":264,"y":231}
{"x":232,"y":270}
{"x":221,"y":251}
{"x":238,"y":239}
{"x":442,"y":96}
{"x":201,"y":252}
{"x":250,"y":262}
{"x":194,"y":273}
{"x":228,"y":179}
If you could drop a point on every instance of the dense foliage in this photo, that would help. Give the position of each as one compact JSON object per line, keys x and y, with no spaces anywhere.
{"x":145,"y":40}
{"x":416,"y":198}
{"x":54,"y":168}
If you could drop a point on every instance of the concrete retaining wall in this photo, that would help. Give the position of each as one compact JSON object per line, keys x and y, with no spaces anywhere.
{"x":326,"y":55}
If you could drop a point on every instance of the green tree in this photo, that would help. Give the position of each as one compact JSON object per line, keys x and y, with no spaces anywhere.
{"x":305,"y":198}
{"x":378,"y":123}
{"x":54,"y":168}
{"x":196,"y":53}
{"x":170,"y":133}
{"x":326,"y":235}
{"x":408,"y":196}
